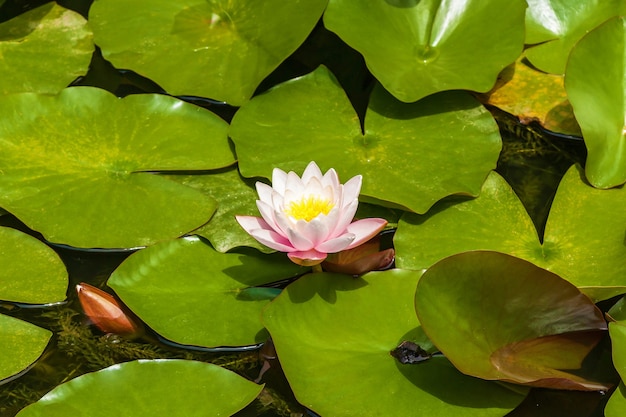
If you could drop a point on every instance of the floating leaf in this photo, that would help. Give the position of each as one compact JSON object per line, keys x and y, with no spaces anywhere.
{"x":617,"y":403}
{"x":410,"y":156}
{"x":31,"y":272}
{"x":43,"y":50}
{"x":334,"y":335}
{"x":231,"y":44}
{"x":431,"y":46}
{"x":148,"y":388}
{"x":534,"y":96}
{"x":556,"y":25}
{"x":532,"y":326}
{"x":583,"y":240}
{"x":595,"y":80}
{"x":234,"y":196}
{"x":21,"y":343}
{"x":72,"y":165}
{"x":191,"y":294}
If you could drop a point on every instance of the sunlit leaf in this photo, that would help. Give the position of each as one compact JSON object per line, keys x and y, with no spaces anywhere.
{"x":595,"y":81}
{"x":234,"y":196}
{"x":220,"y":49}
{"x":617,"y":403}
{"x":191,"y":294}
{"x":411,"y":155}
{"x":533,"y":95}
{"x":176,"y":388}
{"x":556,"y":25}
{"x":43,"y":50}
{"x":31,"y":272}
{"x":431,"y":46}
{"x":334,"y":334}
{"x":21,"y":343}
{"x":583,"y":240}
{"x":532,"y":327}
{"x":73,"y":166}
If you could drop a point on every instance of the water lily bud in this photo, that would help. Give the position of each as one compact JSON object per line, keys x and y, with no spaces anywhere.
{"x":106,"y":312}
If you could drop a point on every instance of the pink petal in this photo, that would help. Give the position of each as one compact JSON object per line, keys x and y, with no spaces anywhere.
{"x":365,"y":229}
{"x":311,"y":171}
{"x":316,"y":230}
{"x":307,"y":258}
{"x":261,"y":231}
{"x":279,"y":180}
{"x":267,"y":212}
{"x":352,"y":188}
{"x":337,"y":244}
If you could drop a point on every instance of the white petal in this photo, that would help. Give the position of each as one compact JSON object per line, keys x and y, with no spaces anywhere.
{"x":293,"y":186}
{"x":316,"y":230}
{"x":351,"y":189}
{"x":345,"y":218}
{"x":314,"y":188}
{"x":283,"y":222}
{"x":267,"y":212}
{"x":265,"y":192}
{"x":331,"y":179}
{"x":337,"y":244}
{"x":299,"y":241}
{"x":311,"y":171}
{"x":279,"y":180}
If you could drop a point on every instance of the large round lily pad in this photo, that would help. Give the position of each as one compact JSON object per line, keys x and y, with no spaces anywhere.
{"x":583,"y":239}
{"x":431,"y":46}
{"x":75,"y":167}
{"x":21,"y":343}
{"x":595,"y":81}
{"x":31,"y":272}
{"x":556,"y":25}
{"x":531,"y":327}
{"x":334,"y":333}
{"x":191,"y":294}
{"x":221,"y":49}
{"x":43,"y":50}
{"x":149,"y":388}
{"x":410,"y":155}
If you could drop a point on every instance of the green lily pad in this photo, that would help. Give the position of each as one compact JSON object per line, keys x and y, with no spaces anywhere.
{"x":334,"y":333}
{"x":31,"y":271}
{"x":410,"y":156}
{"x":227,"y":46}
{"x":193,"y":295}
{"x":149,"y":388}
{"x":74,"y":165}
{"x":583,"y":240}
{"x":540,"y":326}
{"x":235,"y":196}
{"x":556,"y":25}
{"x":432,"y":46}
{"x":617,"y":403}
{"x":21,"y":344}
{"x":44,"y":50}
{"x":595,"y":79}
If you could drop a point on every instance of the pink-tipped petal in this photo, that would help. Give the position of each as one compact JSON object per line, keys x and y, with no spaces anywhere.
{"x":265,"y":192}
{"x":307,"y":258}
{"x":311,"y":171}
{"x":337,"y":244}
{"x":352,"y":188}
{"x":279,"y":180}
{"x":316,"y":230}
{"x":261,"y":231}
{"x":267,"y":212}
{"x":298,"y":241}
{"x":331,"y":179}
{"x":365,"y":229}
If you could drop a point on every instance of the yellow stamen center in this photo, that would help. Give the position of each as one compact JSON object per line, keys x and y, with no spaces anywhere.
{"x":309,"y":208}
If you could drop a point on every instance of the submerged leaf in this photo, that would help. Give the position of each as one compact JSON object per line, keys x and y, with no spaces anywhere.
{"x":73,"y":166}
{"x":410,"y":156}
{"x":431,"y":46}
{"x":531,"y":327}
{"x":176,"y":388}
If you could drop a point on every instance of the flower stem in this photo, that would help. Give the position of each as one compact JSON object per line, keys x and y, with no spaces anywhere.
{"x":317,"y":268}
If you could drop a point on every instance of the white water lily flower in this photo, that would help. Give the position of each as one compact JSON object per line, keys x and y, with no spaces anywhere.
{"x":309,"y":217}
